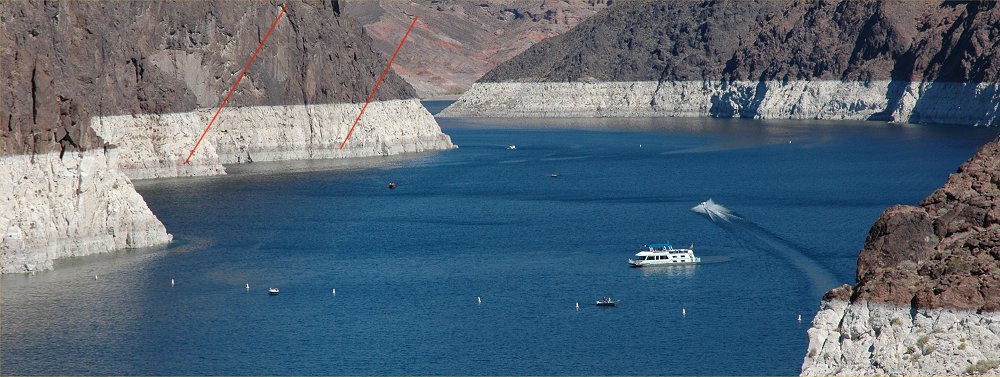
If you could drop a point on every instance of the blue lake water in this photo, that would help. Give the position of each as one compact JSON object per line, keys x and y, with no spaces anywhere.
{"x":484,"y":221}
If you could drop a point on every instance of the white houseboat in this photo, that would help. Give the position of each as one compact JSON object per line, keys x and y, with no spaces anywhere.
{"x":663,"y":254}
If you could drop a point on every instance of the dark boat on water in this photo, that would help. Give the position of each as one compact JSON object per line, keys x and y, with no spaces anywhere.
{"x":607,"y":301}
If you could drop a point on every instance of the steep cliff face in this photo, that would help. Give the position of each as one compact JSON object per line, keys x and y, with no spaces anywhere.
{"x":932,"y":62}
{"x":457,"y":41}
{"x":135,"y":80}
{"x":70,"y":61}
{"x":927,"y":296}
{"x":62,"y":206}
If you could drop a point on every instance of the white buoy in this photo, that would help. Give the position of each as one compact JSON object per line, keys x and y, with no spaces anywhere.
{"x":640,"y":145}
{"x":578,"y":306}
{"x":248,"y":286}
{"x":334,"y":291}
{"x":95,"y":277}
{"x":171,"y":282}
{"x":684,"y":312}
{"x":479,"y":300}
{"x":800,"y":317}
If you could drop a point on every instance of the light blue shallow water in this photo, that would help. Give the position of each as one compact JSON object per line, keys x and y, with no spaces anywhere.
{"x":408,"y":264}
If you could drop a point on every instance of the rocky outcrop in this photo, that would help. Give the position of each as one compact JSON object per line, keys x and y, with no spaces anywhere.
{"x":130,"y":79}
{"x":63,"y":206}
{"x":927,"y":296}
{"x":922,"y":62}
{"x":869,"y":339}
{"x":457,"y":41}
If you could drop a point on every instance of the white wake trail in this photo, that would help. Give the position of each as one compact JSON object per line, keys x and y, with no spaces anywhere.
{"x":755,"y":236}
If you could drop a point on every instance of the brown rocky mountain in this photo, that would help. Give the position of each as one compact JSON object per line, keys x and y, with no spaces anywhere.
{"x":67,"y":61}
{"x":457,"y":41}
{"x":766,"y":40}
{"x":944,"y":253}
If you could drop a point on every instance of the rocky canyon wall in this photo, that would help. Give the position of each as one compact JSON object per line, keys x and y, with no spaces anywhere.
{"x":135,"y":81}
{"x":927,"y":295}
{"x":901,"y":61}
{"x":912,"y":102}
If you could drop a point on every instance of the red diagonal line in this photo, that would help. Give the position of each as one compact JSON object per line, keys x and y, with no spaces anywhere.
{"x":233,"y":89}
{"x":377,"y":83}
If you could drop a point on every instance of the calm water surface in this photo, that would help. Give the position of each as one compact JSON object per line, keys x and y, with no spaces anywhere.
{"x":408,"y":264}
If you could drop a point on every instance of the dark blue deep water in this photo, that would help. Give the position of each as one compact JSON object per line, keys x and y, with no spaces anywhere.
{"x":408,"y":264}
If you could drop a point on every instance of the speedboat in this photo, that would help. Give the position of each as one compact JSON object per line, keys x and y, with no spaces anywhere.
{"x":663,"y":254}
{"x":607,"y":301}
{"x":273,"y":291}
{"x":512,"y":147}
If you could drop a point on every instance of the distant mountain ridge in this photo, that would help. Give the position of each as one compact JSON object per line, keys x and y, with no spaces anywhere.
{"x":767,"y":40}
{"x":457,"y":41}
{"x":902,"y":61}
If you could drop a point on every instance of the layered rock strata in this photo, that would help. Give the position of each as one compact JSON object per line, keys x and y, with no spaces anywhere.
{"x":62,"y":206}
{"x":932,"y":102}
{"x":156,"y":145}
{"x":927,"y":296}
{"x":926,"y":61}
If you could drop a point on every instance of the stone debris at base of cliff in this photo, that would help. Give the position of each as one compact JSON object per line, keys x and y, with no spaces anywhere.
{"x":867,"y":339}
{"x":940,"y":102}
{"x":75,"y":205}
{"x":156,"y":145}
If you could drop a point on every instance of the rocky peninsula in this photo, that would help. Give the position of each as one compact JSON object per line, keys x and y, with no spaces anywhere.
{"x":98,"y":93}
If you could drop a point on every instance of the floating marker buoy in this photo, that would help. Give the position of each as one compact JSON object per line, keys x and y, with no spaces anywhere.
{"x":800,"y":317}
{"x":334,"y":291}
{"x":392,"y":185}
{"x":171,"y":282}
{"x":684,"y":312}
{"x":640,"y":145}
{"x":578,"y":306}
{"x":95,"y":277}
{"x":248,"y":286}
{"x":479,"y":300}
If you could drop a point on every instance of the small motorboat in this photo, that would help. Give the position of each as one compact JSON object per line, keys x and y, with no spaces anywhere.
{"x":273,"y":291}
{"x":511,"y":147}
{"x":554,"y":175}
{"x":607,"y":301}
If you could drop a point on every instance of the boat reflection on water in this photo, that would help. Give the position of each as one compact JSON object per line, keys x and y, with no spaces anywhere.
{"x":685,"y":271}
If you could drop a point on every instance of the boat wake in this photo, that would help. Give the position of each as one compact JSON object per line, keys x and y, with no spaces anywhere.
{"x":756,"y":237}
{"x":714,"y":211}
